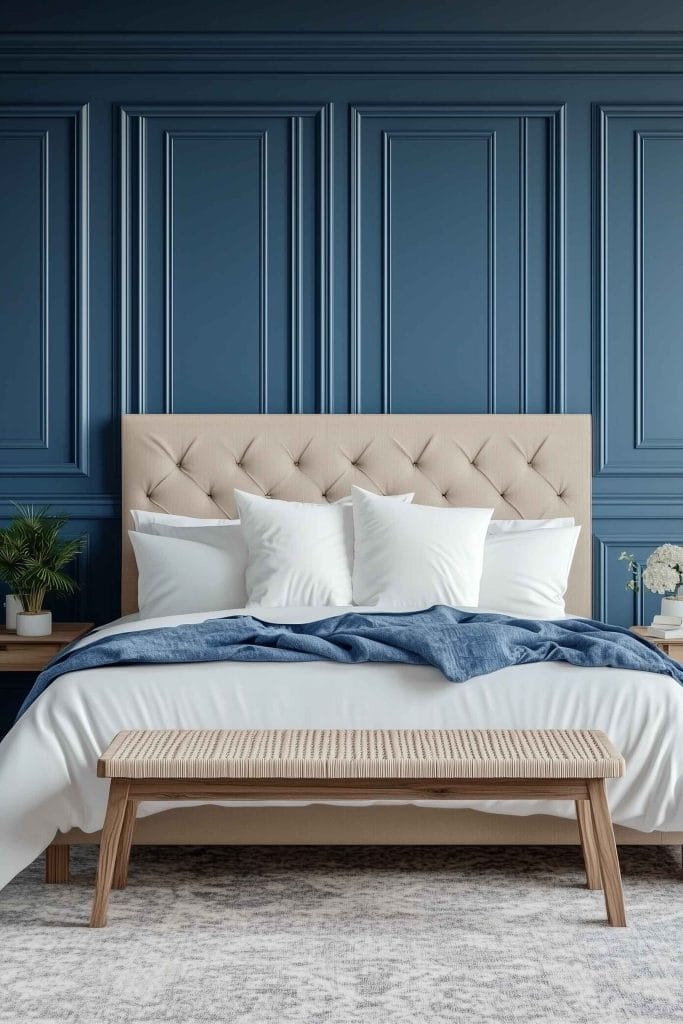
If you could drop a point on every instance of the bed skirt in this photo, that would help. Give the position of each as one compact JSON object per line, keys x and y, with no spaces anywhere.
{"x":326,"y":825}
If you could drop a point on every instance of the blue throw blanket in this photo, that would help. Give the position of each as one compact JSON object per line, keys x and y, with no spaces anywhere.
{"x":460,"y":644}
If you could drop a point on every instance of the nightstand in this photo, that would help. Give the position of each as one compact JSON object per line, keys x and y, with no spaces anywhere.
{"x":674,"y":648}
{"x":32,"y":653}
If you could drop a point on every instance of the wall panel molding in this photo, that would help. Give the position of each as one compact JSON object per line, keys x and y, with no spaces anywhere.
{"x":604,"y":550}
{"x":557,"y":228}
{"x":346,"y":53}
{"x":42,"y":136}
{"x":617,"y":506}
{"x":133,"y":298}
{"x":599,"y":278}
{"x":80,"y":506}
{"x":556,"y":160}
{"x":607,"y":465}
{"x":641,"y":438}
{"x":388,"y":136}
{"x":296,"y":270}
{"x":170,"y":137}
{"x":78,"y":465}
{"x":523,"y":186}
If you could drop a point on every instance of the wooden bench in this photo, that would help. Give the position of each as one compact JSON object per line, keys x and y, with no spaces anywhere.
{"x":362,"y":764}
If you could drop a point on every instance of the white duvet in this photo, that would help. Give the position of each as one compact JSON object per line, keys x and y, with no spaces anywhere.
{"x":47,"y":761}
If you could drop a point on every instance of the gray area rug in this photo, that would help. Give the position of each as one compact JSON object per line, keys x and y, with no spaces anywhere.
{"x":343,"y":936}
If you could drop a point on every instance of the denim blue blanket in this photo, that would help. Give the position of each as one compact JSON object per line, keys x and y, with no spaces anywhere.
{"x":460,"y":644}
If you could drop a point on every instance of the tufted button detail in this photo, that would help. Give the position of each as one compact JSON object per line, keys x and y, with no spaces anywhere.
{"x":446,"y":459}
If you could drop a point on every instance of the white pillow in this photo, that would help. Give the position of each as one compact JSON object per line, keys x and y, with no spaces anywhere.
{"x":178,"y":576}
{"x":347,"y":505}
{"x":142,"y":518}
{"x":526,"y":573}
{"x":297,"y":552}
{"x":416,"y":555}
{"x":300,"y":554}
{"x":231,"y":541}
{"x":497,"y":526}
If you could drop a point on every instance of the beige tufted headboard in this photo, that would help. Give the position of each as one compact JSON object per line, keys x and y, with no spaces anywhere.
{"x":527,"y":467}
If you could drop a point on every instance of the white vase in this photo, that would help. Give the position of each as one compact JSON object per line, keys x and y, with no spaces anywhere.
{"x":673,"y":605}
{"x":12,"y":606}
{"x":34,"y":623}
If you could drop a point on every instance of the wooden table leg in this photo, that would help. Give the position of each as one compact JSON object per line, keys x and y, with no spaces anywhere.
{"x":109,"y":844}
{"x":57,"y":863}
{"x":591,"y":858}
{"x":607,"y":851}
{"x":120,"y":879}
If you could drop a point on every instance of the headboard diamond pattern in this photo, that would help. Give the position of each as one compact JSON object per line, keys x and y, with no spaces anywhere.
{"x":528,"y":467}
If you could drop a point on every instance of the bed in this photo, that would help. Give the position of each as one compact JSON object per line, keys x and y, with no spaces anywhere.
{"x":529,"y":467}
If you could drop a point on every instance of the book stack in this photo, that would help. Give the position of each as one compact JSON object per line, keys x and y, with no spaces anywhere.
{"x":666,"y":627}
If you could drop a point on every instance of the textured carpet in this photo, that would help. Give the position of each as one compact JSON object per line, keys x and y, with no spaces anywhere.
{"x":343,"y":936}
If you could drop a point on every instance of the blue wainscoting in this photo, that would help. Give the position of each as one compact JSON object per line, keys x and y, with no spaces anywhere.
{"x":360,"y":223}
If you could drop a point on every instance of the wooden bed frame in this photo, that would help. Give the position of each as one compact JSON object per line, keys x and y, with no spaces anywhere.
{"x":528,"y":467}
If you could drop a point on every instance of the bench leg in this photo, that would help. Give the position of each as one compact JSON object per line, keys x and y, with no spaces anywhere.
{"x":57,"y":863}
{"x":120,"y":879}
{"x":607,"y":851}
{"x":109,"y":844}
{"x":591,"y":858}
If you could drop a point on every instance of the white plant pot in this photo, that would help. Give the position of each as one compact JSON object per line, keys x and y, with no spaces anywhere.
{"x":34,"y":623}
{"x":12,"y":606}
{"x":673,"y":605}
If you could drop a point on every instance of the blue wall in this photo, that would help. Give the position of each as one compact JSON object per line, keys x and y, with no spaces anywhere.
{"x":375,"y":222}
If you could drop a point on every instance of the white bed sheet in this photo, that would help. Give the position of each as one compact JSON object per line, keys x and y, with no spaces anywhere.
{"x":47,"y":761}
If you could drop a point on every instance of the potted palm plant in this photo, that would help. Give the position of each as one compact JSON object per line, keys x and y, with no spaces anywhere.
{"x":33,"y":557}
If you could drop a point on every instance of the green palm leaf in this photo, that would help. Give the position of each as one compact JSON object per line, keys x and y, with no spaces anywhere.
{"x":33,"y":555}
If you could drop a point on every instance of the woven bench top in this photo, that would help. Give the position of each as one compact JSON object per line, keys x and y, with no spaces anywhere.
{"x":361,"y":753}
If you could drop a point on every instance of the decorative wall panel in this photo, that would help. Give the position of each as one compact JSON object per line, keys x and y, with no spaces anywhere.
{"x":457,"y":252}
{"x":365,"y":223}
{"x":225,"y":258}
{"x":639,"y":298}
{"x":44,"y":242}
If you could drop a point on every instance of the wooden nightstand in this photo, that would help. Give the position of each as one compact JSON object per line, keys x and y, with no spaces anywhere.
{"x":674,"y":648}
{"x":32,"y":653}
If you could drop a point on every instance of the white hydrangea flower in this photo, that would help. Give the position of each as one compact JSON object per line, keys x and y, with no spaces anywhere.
{"x":660,"y":578}
{"x":669,"y":554}
{"x":663,"y":571}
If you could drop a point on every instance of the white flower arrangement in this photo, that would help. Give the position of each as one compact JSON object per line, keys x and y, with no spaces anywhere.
{"x":663,"y":572}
